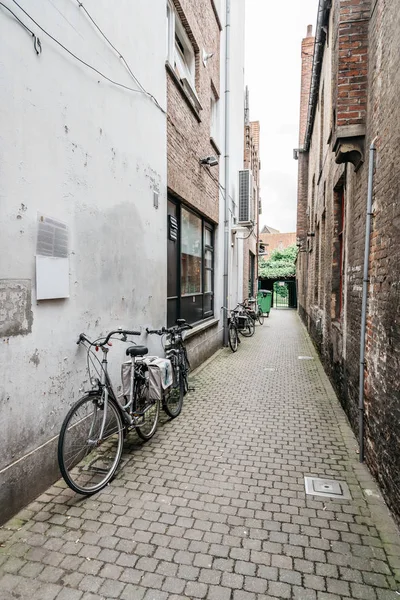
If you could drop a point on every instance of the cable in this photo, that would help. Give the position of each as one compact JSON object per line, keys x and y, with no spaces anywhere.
{"x":36,"y":41}
{"x":80,"y":4}
{"x":126,"y":87}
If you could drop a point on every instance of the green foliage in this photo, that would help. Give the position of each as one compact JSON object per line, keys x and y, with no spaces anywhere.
{"x":280,"y":264}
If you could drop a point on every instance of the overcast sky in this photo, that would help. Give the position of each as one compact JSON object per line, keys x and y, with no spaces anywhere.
{"x":274,"y":31}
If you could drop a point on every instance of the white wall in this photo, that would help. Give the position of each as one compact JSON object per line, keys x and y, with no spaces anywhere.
{"x":81,"y":150}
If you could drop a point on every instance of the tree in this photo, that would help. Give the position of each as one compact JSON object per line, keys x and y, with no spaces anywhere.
{"x":281,"y":264}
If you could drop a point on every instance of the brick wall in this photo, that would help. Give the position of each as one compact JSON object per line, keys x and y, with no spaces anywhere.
{"x":307,"y":52}
{"x":188,"y":133}
{"x":352,"y":35}
{"x":252,"y":162}
{"x":361,"y":61}
{"x":273,"y":241}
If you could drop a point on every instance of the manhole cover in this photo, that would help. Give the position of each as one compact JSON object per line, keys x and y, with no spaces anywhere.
{"x":328,"y":488}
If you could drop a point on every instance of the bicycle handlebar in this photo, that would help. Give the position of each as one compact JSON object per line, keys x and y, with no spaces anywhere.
{"x":173,"y":329}
{"x":82,"y":337}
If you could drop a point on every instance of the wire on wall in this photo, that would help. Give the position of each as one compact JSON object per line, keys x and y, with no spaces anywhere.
{"x":121,"y":85}
{"x":36,"y":41}
{"x":136,"y":80}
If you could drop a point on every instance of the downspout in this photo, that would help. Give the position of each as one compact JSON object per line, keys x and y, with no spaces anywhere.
{"x":226,"y":185}
{"x":361,"y":404}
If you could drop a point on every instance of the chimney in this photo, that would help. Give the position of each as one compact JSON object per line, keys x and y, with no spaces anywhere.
{"x":307,"y":54}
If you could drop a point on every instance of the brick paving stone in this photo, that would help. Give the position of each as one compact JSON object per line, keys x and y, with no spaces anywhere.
{"x":219,"y":511}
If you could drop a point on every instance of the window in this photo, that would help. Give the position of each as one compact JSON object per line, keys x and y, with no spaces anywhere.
{"x":214,"y":118}
{"x":190,"y":265}
{"x":180,"y":52}
{"x":338,"y":252}
{"x":251,"y":274}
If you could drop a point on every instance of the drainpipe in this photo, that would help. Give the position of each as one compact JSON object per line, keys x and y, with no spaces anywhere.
{"x":226,"y":186}
{"x":361,"y":404}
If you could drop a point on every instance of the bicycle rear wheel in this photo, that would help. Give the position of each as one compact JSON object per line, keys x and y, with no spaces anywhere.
{"x":88,"y":460}
{"x":173,"y":399}
{"x":260,"y":316}
{"x":233,"y":337}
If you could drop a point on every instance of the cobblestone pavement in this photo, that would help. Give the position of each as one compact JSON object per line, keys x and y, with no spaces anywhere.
{"x":214,"y":506}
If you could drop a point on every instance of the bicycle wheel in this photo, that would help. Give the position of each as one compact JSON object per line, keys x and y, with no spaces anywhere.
{"x":185,"y":372}
{"x":260,"y":316}
{"x":146,"y":416}
{"x":233,"y":337}
{"x":249,"y":329}
{"x":87,"y":459}
{"x":173,"y":399}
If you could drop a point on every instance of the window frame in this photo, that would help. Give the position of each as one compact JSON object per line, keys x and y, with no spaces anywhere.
{"x":180,"y":298}
{"x":176,"y":32}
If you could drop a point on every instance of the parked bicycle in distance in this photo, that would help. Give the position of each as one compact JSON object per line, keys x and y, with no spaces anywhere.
{"x":245,"y":321}
{"x":176,"y":352}
{"x":92,"y":434}
{"x":254,"y":309}
{"x":233,"y":331}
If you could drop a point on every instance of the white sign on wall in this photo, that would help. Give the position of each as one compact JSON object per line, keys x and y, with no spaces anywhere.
{"x":52,"y":262}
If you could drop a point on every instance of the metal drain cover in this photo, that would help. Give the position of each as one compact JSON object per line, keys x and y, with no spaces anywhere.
{"x":329,"y":488}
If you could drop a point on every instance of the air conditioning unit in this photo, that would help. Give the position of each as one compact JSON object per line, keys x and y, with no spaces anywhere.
{"x":245,"y":197}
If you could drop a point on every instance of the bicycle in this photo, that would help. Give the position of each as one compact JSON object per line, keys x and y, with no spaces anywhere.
{"x":246,"y":323}
{"x":176,"y":352}
{"x":92,"y":434}
{"x":233,"y":330}
{"x":254,"y":309}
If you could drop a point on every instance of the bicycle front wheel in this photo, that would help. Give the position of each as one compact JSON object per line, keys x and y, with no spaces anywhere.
{"x":233,"y":337}
{"x":260,"y":317}
{"x":90,"y":444}
{"x":250,"y":328}
{"x":146,"y":417}
{"x":173,"y":400}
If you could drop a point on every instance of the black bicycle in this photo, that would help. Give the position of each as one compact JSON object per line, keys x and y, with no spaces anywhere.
{"x":245,"y":322}
{"x":176,"y":352}
{"x":92,"y":434}
{"x":254,"y":310}
{"x":233,"y":331}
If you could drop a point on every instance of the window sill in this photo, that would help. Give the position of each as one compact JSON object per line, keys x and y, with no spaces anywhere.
{"x":203,"y":326}
{"x":181,"y":89}
{"x":215,"y":146}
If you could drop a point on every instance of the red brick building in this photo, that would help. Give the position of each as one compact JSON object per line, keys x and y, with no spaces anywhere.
{"x":349,"y":100}
{"x":275,"y":241}
{"x":250,"y":246}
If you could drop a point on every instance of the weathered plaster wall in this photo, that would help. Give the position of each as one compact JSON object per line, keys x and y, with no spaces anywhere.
{"x":81,"y":150}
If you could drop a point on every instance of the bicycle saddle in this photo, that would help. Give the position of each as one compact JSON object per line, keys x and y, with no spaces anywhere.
{"x":136,"y":351}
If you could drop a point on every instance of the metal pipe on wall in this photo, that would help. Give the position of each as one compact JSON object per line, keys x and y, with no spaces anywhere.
{"x":361,"y":403}
{"x":226,"y":186}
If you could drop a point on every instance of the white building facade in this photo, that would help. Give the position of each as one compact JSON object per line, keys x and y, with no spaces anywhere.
{"x":83,"y":211}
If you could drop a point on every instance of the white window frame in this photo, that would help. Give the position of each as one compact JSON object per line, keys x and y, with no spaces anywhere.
{"x":214,"y":118}
{"x":183,"y":63}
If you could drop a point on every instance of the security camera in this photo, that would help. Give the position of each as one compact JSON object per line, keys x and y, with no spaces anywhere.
{"x":211,"y":161}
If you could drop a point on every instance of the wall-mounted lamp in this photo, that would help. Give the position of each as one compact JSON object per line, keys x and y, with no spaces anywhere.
{"x":211,"y":161}
{"x":207,"y":56}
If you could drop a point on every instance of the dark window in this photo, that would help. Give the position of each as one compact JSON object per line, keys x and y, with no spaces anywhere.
{"x":251,"y":274}
{"x":338,"y":252}
{"x":190,"y":266}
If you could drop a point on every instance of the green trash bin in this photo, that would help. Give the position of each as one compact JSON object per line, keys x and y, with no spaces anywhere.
{"x":264,"y":299}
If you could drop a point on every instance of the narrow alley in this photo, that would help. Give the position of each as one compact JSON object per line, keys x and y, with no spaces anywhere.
{"x":215,"y":506}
